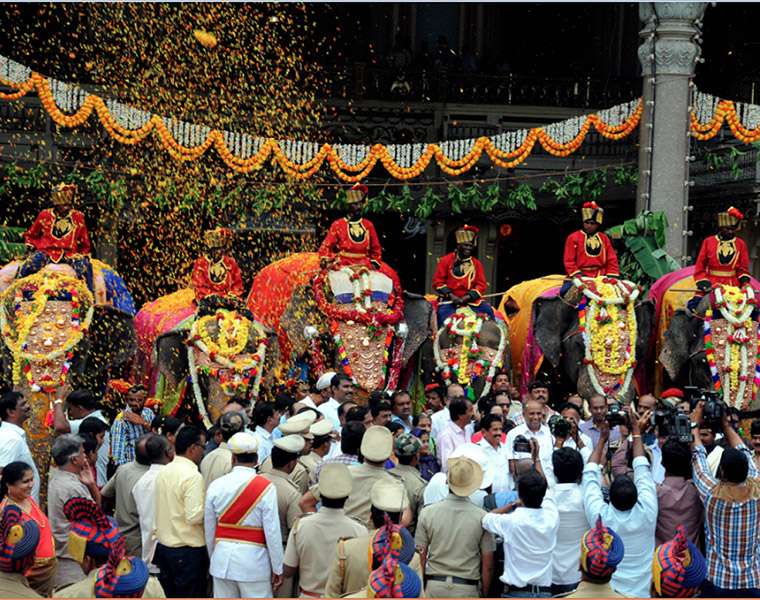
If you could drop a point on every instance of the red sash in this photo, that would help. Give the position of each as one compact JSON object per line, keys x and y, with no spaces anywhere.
{"x":229,"y":528}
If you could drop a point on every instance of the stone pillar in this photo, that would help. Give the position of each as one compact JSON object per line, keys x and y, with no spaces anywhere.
{"x":668,"y":54}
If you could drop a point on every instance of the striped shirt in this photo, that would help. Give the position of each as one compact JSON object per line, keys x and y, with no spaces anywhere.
{"x":732,"y":527}
{"x":124,"y":436}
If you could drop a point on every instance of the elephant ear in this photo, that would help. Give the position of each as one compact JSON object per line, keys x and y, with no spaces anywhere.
{"x":301,"y":312}
{"x":644,"y":329}
{"x":417,"y":314}
{"x":548,"y":327}
{"x":112,"y":338}
{"x":171,"y":353}
{"x":681,"y":338}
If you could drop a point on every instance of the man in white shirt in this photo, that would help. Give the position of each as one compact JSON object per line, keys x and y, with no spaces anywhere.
{"x":539,"y":391}
{"x":533,"y":415}
{"x":453,"y":435}
{"x":160,"y":453}
{"x":242,"y":526}
{"x":491,"y":443}
{"x":567,"y":467}
{"x":14,"y":446}
{"x":632,"y":511}
{"x":342,"y":390}
{"x":80,"y":405}
{"x":529,"y":529}
{"x":266,"y":419}
{"x":440,"y":419}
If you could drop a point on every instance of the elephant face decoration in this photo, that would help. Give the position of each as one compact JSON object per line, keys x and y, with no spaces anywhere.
{"x":230,"y":350}
{"x":43,"y":318}
{"x":469,"y":348}
{"x":363,"y":320}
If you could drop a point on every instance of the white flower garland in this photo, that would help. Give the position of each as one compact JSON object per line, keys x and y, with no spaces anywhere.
{"x":360,"y":284}
{"x":197,"y":388}
{"x":738,"y":330}
{"x":465,"y":333}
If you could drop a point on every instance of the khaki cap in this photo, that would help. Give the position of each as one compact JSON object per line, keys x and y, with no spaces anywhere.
{"x":243,"y":443}
{"x":389,"y":496}
{"x":298,"y":423}
{"x":290,"y":443}
{"x":335,"y":481}
{"x":464,"y":476}
{"x":322,"y":427}
{"x":377,"y":444}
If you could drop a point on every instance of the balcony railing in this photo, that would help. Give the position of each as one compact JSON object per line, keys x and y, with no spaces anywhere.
{"x":440,"y":85}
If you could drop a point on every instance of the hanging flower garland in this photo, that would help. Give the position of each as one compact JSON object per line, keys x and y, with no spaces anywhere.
{"x":361,"y":287}
{"x":45,"y":285}
{"x":735,"y":306}
{"x":599,"y":324}
{"x":187,"y":141}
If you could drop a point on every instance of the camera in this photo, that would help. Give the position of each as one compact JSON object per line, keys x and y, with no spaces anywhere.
{"x":559,"y":426}
{"x":616,"y":415}
{"x":660,"y":416}
{"x":715,"y":409}
{"x":521,"y":444}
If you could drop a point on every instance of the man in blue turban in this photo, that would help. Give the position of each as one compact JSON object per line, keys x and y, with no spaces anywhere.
{"x":19,"y":536}
{"x":678,"y":568}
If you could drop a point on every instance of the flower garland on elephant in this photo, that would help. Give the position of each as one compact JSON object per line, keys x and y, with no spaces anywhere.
{"x":47,"y":285}
{"x":598,"y":322}
{"x":232,"y":337}
{"x":377,"y":321}
{"x":456,"y":367}
{"x":735,"y":306}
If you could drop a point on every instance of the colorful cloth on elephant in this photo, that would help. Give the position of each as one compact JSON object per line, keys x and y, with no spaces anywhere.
{"x":222,"y":277}
{"x":59,"y":236}
{"x":124,"y":435}
{"x":589,"y":256}
{"x":37,"y":260}
{"x":722,"y":261}
{"x":351,"y":243}
{"x":117,"y":293}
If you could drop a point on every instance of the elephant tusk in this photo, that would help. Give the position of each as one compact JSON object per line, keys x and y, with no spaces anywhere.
{"x":403,"y":330}
{"x":310,"y":331}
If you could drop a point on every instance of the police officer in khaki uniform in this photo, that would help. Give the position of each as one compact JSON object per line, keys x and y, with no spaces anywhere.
{"x":376,"y":448}
{"x":312,"y":541}
{"x":296,"y":424}
{"x":350,"y":567}
{"x":284,"y":458}
{"x":320,"y":446}
{"x":407,"y":449}
{"x":457,"y":554}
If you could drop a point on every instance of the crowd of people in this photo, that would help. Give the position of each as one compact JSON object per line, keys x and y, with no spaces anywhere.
{"x":315,"y":495}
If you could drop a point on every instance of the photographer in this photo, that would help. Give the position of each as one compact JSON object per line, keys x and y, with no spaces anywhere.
{"x":632,"y":511}
{"x":655,"y":431}
{"x":754,"y":433}
{"x":732,"y":513}
{"x":567,"y":435}
{"x":597,"y":404}
{"x":677,"y":498}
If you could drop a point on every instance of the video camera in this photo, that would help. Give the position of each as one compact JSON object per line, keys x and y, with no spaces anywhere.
{"x":715,"y":409}
{"x":559,"y":426}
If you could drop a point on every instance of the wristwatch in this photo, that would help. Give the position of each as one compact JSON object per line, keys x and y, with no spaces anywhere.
{"x":694,"y":425}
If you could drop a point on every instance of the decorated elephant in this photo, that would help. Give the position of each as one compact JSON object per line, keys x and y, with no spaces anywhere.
{"x":596,"y":336}
{"x":716,"y":348}
{"x":470,"y":348}
{"x":354,"y":320}
{"x":54,"y":333}
{"x":205,"y":360}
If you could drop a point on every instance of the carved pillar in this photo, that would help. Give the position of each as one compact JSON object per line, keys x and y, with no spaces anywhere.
{"x":668,"y":54}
